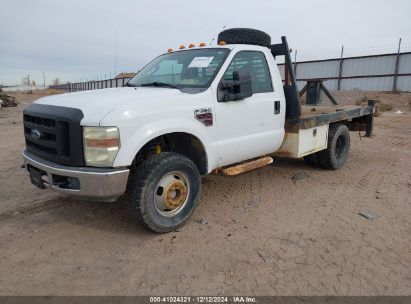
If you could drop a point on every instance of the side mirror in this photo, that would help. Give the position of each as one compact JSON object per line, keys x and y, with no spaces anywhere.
{"x":238,"y":88}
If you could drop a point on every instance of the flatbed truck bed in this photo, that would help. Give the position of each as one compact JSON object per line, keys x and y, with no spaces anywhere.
{"x":318,"y":115}
{"x":308,"y":133}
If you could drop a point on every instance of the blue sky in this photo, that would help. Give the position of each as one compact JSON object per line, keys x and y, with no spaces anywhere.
{"x":76,"y":39}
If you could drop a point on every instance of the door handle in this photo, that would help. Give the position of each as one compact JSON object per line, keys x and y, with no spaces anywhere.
{"x":277,"y":109}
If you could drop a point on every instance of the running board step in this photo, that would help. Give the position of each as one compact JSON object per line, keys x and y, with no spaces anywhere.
{"x":244,"y":167}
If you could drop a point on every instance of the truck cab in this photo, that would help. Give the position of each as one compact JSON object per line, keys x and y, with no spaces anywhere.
{"x":186,"y":114}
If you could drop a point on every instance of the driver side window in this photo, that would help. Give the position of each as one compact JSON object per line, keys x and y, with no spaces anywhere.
{"x":256,"y":63}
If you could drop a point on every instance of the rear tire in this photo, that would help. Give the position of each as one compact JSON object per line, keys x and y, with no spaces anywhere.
{"x":338,"y":147}
{"x":244,"y":36}
{"x":164,"y":191}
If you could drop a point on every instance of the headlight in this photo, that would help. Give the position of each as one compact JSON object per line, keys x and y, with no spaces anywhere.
{"x":101,"y":145}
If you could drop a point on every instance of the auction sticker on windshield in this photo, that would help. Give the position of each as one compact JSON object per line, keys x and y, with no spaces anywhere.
{"x":200,"y":62}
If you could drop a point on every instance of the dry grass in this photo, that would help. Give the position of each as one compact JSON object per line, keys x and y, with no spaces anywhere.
{"x":363,"y":101}
{"x":380,"y":105}
{"x":385,"y":106}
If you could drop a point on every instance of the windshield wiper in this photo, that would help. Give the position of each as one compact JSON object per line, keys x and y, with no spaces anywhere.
{"x":129,"y":85}
{"x":158,"y":84}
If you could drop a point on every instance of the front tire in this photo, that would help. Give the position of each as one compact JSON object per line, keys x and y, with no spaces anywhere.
{"x":164,"y":191}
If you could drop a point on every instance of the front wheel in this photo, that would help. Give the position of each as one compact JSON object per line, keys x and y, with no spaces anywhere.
{"x":164,"y":191}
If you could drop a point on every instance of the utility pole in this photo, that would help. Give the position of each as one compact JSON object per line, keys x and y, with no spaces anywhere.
{"x":26,"y":80}
{"x":340,"y":68}
{"x":115,"y":52}
{"x":397,"y":65}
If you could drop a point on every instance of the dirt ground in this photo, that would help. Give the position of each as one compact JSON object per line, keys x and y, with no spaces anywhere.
{"x":261,"y":234}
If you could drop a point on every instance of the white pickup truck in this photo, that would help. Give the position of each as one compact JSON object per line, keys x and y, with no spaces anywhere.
{"x":190,"y":112}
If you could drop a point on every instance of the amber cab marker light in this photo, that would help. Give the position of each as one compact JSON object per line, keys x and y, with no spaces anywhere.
{"x":202,"y":44}
{"x":191,"y":45}
{"x":221,"y":42}
{"x":169,"y":50}
{"x":182,"y":47}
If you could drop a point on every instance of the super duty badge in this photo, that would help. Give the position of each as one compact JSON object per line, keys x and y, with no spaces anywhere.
{"x":205,"y":116}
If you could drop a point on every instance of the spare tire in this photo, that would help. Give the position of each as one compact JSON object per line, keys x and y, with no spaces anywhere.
{"x":244,"y":36}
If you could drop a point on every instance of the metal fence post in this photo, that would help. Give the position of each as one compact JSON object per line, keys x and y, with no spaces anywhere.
{"x":340,"y":69}
{"x":295,"y":64}
{"x":397,"y":64}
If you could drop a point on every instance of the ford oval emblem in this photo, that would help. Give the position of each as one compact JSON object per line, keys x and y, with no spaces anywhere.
{"x":35,"y":134}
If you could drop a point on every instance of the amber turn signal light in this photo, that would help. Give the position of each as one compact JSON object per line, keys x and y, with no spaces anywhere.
{"x":202,"y":44}
{"x":102,"y":143}
{"x":182,"y":47}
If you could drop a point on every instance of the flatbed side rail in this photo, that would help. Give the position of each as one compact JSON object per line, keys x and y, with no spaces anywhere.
{"x":357,"y":119}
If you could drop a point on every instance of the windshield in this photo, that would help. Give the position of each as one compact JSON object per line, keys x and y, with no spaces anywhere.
{"x":184,"y":69}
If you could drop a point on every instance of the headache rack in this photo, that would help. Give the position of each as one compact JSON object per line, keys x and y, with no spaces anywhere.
{"x":312,"y":114}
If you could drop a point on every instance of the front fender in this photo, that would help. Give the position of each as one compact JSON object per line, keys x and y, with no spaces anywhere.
{"x":133,"y":139}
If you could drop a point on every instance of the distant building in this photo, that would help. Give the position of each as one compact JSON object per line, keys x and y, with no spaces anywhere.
{"x":125,"y":75}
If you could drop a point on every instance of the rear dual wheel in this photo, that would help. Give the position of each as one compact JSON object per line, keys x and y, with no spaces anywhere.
{"x":336,"y":153}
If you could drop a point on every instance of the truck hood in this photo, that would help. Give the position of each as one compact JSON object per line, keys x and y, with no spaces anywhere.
{"x":96,"y":104}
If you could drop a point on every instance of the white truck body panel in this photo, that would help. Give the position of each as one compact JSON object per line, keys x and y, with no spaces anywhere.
{"x":249,"y":128}
{"x":160,"y":111}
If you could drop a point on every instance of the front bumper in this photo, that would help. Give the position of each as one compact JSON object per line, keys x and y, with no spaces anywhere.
{"x":91,"y":183}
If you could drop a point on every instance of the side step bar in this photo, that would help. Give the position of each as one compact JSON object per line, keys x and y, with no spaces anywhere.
{"x":244,"y":167}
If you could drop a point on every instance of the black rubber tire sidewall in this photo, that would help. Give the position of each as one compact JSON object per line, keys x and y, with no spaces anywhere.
{"x":145,"y":183}
{"x":244,"y":36}
{"x":328,"y":158}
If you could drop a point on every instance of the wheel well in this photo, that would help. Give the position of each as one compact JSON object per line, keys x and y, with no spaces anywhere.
{"x":178,"y":142}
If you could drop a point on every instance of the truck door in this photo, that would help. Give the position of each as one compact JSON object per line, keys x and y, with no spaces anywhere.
{"x":253,"y":126}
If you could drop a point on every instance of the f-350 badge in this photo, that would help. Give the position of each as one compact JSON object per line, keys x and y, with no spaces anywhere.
{"x":205,"y":116}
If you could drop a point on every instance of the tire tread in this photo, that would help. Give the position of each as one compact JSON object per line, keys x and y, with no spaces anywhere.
{"x":245,"y":36}
{"x":325,"y":157}
{"x":136,"y":190}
